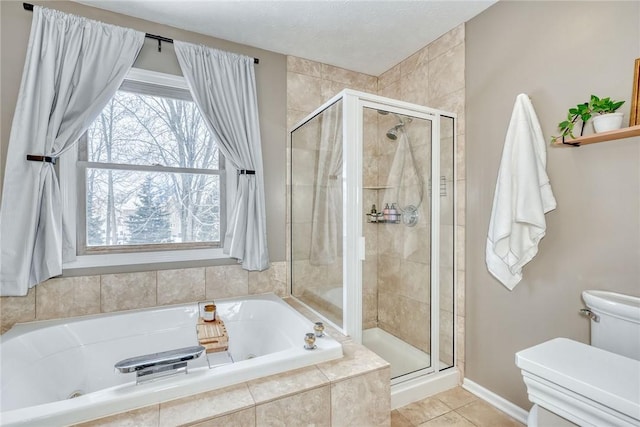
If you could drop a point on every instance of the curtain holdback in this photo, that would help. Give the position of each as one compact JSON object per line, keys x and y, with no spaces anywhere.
{"x":46,"y":159}
{"x":246,"y":172}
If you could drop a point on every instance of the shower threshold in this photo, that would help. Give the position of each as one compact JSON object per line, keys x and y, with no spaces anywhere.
{"x":404,"y":358}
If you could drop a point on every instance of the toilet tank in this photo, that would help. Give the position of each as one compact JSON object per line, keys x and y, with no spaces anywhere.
{"x":616,"y":324}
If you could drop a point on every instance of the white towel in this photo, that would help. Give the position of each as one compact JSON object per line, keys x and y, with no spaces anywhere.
{"x":523,"y":195}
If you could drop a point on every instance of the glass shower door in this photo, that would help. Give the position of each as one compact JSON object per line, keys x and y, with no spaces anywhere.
{"x":316,"y":213}
{"x":396,"y":281}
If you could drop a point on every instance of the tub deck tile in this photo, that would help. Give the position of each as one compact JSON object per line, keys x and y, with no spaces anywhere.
{"x":357,"y":360}
{"x":146,"y":416}
{"x":200,"y":407}
{"x":286,"y":384}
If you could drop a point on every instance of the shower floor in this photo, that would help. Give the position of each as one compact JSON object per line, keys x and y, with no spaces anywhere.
{"x":404,"y":358}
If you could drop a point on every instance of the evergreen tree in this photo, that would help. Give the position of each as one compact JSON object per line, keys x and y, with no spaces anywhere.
{"x":150,"y":222}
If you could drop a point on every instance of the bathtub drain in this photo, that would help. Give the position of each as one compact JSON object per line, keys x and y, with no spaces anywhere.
{"x":75,"y":394}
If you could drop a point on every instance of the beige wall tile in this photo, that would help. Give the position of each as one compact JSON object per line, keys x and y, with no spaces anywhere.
{"x":390,"y":76}
{"x":460,"y":293}
{"x":226,"y":281}
{"x":127,"y":291}
{"x":180,"y":286}
{"x":286,"y":384}
{"x":362,"y":400}
{"x":460,"y":163}
{"x":309,"y":408}
{"x":304,"y":66}
{"x":243,"y":418}
{"x":352,"y":79}
{"x":304,"y":93}
{"x":447,"y":42}
{"x":68,"y":297}
{"x":202,"y":406}
{"x":392,"y":90}
{"x":273,"y":280}
{"x":17,"y":309}
{"x":415,"y":87}
{"x":147,"y":416}
{"x":446,"y":73}
{"x":416,"y":62}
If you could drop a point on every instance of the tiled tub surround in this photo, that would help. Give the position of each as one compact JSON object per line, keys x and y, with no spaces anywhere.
{"x":43,"y":363}
{"x":353,"y":390}
{"x":77,"y":296}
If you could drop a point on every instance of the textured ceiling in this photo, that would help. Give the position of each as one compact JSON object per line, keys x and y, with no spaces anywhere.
{"x":365,"y":36}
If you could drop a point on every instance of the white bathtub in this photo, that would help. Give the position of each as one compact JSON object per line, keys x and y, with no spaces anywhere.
{"x":43,"y":363}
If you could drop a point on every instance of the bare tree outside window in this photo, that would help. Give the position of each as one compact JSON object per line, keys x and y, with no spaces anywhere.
{"x":152,"y":174}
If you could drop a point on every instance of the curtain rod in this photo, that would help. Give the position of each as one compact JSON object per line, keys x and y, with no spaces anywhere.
{"x":29,"y":7}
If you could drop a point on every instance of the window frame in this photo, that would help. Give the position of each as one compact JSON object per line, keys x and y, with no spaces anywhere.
{"x":73,"y":191}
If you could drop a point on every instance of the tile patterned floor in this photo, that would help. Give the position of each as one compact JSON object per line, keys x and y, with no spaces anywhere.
{"x":456,"y":407}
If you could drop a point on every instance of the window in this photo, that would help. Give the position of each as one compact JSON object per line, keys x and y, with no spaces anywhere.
{"x":149,"y":175}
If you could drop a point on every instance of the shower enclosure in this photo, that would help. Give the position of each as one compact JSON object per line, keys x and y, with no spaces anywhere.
{"x":372,"y":228}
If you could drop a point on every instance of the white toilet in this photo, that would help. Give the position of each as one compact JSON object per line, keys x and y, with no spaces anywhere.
{"x":571,"y":383}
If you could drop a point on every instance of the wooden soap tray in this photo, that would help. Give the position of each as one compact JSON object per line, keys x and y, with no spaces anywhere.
{"x":212,"y":335}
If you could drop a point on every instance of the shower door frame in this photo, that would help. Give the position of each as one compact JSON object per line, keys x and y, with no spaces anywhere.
{"x":353,"y":240}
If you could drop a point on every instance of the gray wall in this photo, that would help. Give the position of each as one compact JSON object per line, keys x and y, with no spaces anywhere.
{"x":558,"y":53}
{"x":271,"y":75}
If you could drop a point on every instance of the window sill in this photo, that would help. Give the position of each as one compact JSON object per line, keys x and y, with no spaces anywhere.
{"x":143,"y":258}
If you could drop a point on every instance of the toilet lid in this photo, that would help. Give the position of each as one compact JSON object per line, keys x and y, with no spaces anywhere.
{"x":608,"y":378}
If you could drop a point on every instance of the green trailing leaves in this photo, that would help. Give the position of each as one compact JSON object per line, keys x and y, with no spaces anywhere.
{"x":584,"y":112}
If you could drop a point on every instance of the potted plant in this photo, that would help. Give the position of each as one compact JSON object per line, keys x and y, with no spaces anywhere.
{"x":603,"y":112}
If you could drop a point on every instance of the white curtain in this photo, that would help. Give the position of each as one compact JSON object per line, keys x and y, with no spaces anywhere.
{"x":223,"y":87}
{"x":326,"y":222}
{"x":73,"y":67}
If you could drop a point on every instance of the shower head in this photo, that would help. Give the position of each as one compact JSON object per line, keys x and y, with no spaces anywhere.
{"x":392,"y":133}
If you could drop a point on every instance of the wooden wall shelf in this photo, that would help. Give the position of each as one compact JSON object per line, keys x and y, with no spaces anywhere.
{"x":599,"y":137}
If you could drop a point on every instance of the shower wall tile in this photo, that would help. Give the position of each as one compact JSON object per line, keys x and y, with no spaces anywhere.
{"x":350,"y":79}
{"x":453,"y":102}
{"x":362,"y":400}
{"x":68,"y":297}
{"x":273,"y":280}
{"x":414,"y":282}
{"x":181,"y":286}
{"x":127,"y":291}
{"x":147,"y":416}
{"x":294,"y":117}
{"x":302,"y":203}
{"x":301,"y":241}
{"x":447,"y":42}
{"x":413,"y":87}
{"x":304,"y":93}
{"x":226,"y":281}
{"x":392,"y":90}
{"x":461,"y":200}
{"x":460,"y":292}
{"x":416,"y":62}
{"x":460,"y":160}
{"x":405,"y":318}
{"x":389,"y":77}
{"x":460,"y":251}
{"x":312,"y":407}
{"x":17,"y":309}
{"x":201,"y":406}
{"x":446,"y":72}
{"x":304,"y":66}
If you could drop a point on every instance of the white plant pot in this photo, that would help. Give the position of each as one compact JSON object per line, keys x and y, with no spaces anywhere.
{"x":607,"y":122}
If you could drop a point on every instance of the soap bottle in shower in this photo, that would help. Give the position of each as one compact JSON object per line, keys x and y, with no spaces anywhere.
{"x":393,"y":213}
{"x":374,"y":214}
{"x":386,"y":212}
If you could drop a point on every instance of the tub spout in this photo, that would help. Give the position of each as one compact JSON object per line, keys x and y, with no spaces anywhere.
{"x":155,"y":365}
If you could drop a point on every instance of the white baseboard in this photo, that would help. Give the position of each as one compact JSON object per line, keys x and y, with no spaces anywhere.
{"x":501,"y":403}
